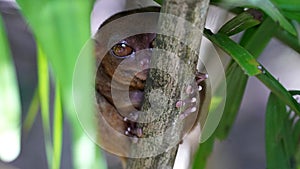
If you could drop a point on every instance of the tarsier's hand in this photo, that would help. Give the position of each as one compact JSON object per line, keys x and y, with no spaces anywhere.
{"x":190,"y":103}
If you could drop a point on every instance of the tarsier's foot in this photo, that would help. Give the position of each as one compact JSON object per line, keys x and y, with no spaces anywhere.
{"x":132,"y":130}
{"x":199,"y":78}
{"x":189,"y":104}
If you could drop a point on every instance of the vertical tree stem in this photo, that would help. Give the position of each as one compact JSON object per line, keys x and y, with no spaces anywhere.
{"x":167,"y":124}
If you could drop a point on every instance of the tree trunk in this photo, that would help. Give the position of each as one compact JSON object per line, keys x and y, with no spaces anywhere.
{"x":167,"y":84}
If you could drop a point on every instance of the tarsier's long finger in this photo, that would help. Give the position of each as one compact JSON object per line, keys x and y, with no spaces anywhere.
{"x":201,"y":77}
{"x":189,"y":104}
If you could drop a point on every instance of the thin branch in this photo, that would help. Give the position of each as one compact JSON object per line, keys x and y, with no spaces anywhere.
{"x":169,"y":80}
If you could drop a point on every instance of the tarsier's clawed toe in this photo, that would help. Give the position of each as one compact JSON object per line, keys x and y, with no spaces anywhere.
{"x":200,"y":77}
{"x":189,"y":104}
{"x":132,"y":130}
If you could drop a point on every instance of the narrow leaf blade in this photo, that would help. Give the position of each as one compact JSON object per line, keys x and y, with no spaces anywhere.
{"x":57,"y":128}
{"x":43,"y":86}
{"x":279,"y":142}
{"x":237,"y":52}
{"x":267,"y":6}
{"x":239,"y":23}
{"x":32,"y":112}
{"x":279,"y":90}
{"x":235,"y":93}
{"x":203,"y":153}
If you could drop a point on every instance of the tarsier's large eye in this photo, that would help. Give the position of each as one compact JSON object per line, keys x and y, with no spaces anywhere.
{"x":121,"y":50}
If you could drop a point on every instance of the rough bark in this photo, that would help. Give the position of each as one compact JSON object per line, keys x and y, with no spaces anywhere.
{"x":167,"y":124}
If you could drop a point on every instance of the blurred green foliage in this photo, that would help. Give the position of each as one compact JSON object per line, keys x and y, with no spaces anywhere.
{"x":61,"y":28}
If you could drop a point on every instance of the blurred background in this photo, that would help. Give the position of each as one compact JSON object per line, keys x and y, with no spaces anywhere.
{"x":244,"y":147}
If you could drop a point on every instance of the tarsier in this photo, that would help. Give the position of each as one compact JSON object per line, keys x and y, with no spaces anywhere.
{"x":128,"y":50}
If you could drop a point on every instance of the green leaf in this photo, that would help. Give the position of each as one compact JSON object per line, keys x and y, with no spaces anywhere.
{"x":32,"y":112}
{"x":289,"y":39}
{"x":296,"y":131}
{"x":91,"y":152}
{"x":250,"y":42}
{"x":292,"y":5}
{"x":43,"y":87}
{"x":279,"y":90}
{"x":293,"y":15}
{"x":236,"y":86}
{"x":263,"y":34}
{"x":267,"y":6}
{"x":237,"y":52}
{"x":247,"y":63}
{"x":280,"y":147}
{"x":275,"y":14}
{"x":159,"y":1}
{"x":57,"y":128}
{"x":203,"y":153}
{"x":235,"y":93}
{"x":10,"y":106}
{"x":239,"y":23}
{"x":62,"y":28}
